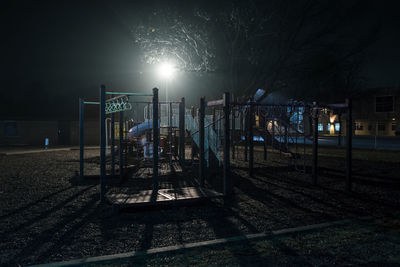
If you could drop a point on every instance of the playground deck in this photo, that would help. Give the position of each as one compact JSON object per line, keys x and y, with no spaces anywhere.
{"x":162,"y":197}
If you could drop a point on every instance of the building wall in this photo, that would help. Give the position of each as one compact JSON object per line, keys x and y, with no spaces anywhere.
{"x":23,"y":132}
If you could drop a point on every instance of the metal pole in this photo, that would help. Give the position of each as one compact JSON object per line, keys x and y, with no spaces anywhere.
{"x":251,"y":140}
{"x":121,"y":137}
{"x":156,"y":137}
{"x":182,"y":132}
{"x":340,"y":129}
{"x":227,"y":177}
{"x":315,"y":145}
{"x":112,"y":144}
{"x":349,"y":133}
{"x":233,"y":132}
{"x":201,"y":137}
{"x":246,"y":133}
{"x":170,"y":131}
{"x":81,"y":137}
{"x":102,"y":142}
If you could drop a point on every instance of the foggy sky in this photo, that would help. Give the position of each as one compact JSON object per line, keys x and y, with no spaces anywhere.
{"x":55,"y":52}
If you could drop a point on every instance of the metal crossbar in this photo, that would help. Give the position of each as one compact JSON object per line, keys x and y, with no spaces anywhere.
{"x":117,"y":104}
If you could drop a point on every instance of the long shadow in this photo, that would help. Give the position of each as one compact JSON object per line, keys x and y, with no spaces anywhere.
{"x":47,"y":236}
{"x":47,"y":212}
{"x":316,"y":200}
{"x":329,"y":190}
{"x":267,"y":197}
{"x":34,"y":203}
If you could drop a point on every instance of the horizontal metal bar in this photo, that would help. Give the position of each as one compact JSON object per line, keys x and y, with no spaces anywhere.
{"x":167,"y":102}
{"x":215,"y":102}
{"x":267,"y":105}
{"x":91,"y":103}
{"x":121,"y":93}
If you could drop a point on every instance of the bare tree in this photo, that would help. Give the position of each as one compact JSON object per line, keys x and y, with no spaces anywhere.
{"x":301,"y":47}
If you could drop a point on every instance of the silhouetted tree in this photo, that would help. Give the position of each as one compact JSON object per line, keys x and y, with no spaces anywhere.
{"x":304,"y":48}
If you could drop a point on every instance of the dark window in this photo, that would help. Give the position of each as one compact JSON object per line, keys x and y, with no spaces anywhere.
{"x":381,"y":126}
{"x":369,"y":127}
{"x":393,"y":126}
{"x":384,"y":104}
{"x":10,"y":128}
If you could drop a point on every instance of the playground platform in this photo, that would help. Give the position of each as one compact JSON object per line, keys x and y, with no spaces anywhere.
{"x":162,"y":197}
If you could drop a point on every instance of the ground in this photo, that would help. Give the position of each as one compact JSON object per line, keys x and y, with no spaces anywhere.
{"x":46,"y":215}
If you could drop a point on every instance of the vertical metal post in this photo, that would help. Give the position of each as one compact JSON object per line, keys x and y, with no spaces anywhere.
{"x":233,"y":132}
{"x":113,"y":144}
{"x":315,"y":145}
{"x":273,"y":132}
{"x":251,"y":140}
{"x":81,"y":137}
{"x":349,"y":133}
{"x":170,"y":131}
{"x":340,"y":129}
{"x":227,"y":177}
{"x":246,"y":133}
{"x":201,"y":137}
{"x":156,"y":139}
{"x":121,"y":138}
{"x":182,"y":132}
{"x":193,"y":145}
{"x":102,"y":142}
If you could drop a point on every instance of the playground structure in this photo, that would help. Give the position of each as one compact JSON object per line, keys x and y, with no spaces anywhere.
{"x":214,"y":132}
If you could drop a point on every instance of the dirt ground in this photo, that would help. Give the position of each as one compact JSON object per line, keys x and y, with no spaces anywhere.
{"x":46,"y":215}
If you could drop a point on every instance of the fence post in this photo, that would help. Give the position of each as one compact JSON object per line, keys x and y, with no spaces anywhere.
{"x":102,"y":142}
{"x":340,"y":129}
{"x":227,"y":176}
{"x":315,"y":144}
{"x":182,"y":132}
{"x":233,"y":132}
{"x":113,"y":144}
{"x":349,"y":133}
{"x":81,"y":137}
{"x":246,"y":133}
{"x":201,"y":141}
{"x":251,"y":140}
{"x":156,"y":140}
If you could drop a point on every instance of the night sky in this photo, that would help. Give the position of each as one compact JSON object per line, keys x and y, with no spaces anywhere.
{"x":54,"y":52}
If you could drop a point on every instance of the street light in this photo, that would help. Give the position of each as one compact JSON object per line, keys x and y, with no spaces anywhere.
{"x":166,"y":70}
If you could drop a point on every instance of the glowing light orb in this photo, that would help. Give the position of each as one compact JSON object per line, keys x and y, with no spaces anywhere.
{"x":166,"y":70}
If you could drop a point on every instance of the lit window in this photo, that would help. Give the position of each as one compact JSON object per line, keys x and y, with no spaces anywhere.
{"x":337,"y":127}
{"x":359,"y":126}
{"x":328,"y":126}
{"x":320,"y":127}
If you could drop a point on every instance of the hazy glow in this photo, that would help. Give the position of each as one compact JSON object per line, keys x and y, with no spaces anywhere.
{"x":166,"y":70}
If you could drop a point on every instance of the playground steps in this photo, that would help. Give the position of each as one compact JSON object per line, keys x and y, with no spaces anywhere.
{"x":151,"y":198}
